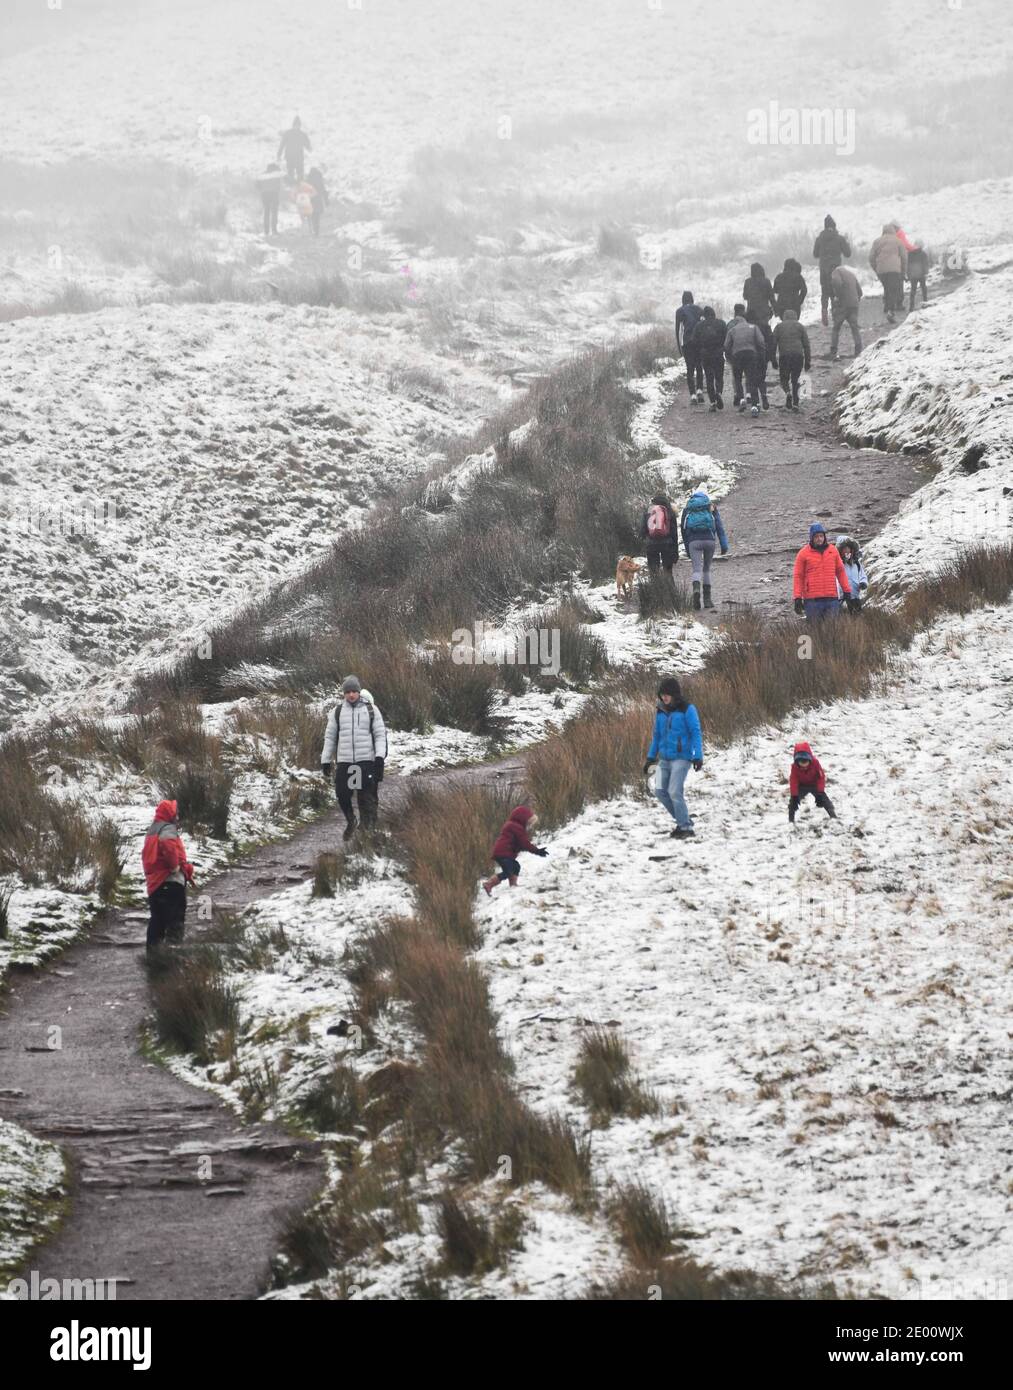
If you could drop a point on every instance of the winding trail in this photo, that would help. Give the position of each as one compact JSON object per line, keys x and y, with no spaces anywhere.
{"x":142,"y":1208}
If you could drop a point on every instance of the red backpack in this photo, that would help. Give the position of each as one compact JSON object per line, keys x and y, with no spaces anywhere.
{"x":657,"y":522}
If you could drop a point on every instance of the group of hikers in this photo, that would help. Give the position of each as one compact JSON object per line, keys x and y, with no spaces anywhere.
{"x":307,"y":190}
{"x":748,"y":343}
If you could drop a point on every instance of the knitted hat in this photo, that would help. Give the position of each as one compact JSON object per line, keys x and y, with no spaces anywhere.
{"x":350,"y":683}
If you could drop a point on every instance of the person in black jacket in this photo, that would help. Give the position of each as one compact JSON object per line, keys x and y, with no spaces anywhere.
{"x":686,"y":319}
{"x":709,"y":338}
{"x":790,"y":289}
{"x":792,"y":354}
{"x":293,"y":145}
{"x":830,"y":248}
{"x":758,"y":293}
{"x":659,"y":529}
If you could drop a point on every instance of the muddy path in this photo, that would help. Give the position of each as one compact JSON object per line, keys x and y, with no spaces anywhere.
{"x":795,"y":469}
{"x":142,"y":1206}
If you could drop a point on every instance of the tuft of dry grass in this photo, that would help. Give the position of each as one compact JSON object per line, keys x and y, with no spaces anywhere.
{"x":603,"y":1078}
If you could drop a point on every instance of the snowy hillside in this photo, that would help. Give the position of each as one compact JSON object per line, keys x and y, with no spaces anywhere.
{"x":822,"y":1010}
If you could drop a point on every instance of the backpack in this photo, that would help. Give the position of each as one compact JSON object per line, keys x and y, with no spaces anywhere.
{"x":699,"y":517}
{"x":657,"y":522}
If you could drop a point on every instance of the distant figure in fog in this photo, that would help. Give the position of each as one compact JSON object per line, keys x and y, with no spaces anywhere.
{"x":917,"y":270}
{"x":269,"y":187}
{"x":687,"y":316}
{"x":302,"y":195}
{"x":790,"y":289}
{"x":792,"y":356}
{"x":830,"y":249}
{"x":847,"y":296}
{"x":293,"y":145}
{"x":709,"y":340}
{"x":888,"y":258}
{"x":745,"y":353}
{"x":758,"y":293}
{"x":319,"y":200}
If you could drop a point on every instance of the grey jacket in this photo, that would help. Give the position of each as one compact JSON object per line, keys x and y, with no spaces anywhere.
{"x":349,"y":738}
{"x":790,"y":336}
{"x":744,"y":337}
{"x":847,"y":292}
{"x":888,"y":254}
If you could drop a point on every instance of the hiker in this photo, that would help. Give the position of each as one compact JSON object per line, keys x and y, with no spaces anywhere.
{"x":758,"y":293}
{"x":888,"y":258}
{"x":302,"y":195}
{"x":686,"y":319}
{"x":851,"y":559}
{"x":709,"y":340}
{"x":677,"y":745}
{"x":293,"y":145}
{"x":792,"y":355}
{"x":167,"y":871}
{"x":702,"y":531}
{"x":355,"y":745}
{"x":790,"y":289}
{"x":818,"y":571}
{"x":917,"y":271}
{"x":847,"y":296}
{"x":807,"y":779}
{"x":269,"y":187}
{"x":511,"y":841}
{"x":830,"y":248}
{"x":746,"y":351}
{"x":319,"y":200}
{"x":657,"y":528}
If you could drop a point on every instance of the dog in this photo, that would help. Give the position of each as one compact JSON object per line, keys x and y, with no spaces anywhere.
{"x":626,"y":573}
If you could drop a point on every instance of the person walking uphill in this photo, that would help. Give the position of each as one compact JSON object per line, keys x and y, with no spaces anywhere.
{"x":511,"y":841}
{"x":686,"y":319}
{"x":847,"y":297}
{"x":807,"y":778}
{"x":293,"y":145}
{"x":792,"y":355}
{"x":355,"y":745}
{"x":830,"y":248}
{"x":701,"y":529}
{"x":167,"y":871}
{"x":677,"y":745}
{"x":790,"y":289}
{"x":761,"y":305}
{"x":818,"y":571}
{"x":269,"y":187}
{"x":746,"y":353}
{"x":888,"y":258}
{"x":709,"y":340}
{"x":657,"y":528}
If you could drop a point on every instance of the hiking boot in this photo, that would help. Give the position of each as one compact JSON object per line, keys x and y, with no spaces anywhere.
{"x":512,"y":880}
{"x":708,"y":602}
{"x":766,"y":403}
{"x":720,"y":403}
{"x":682,"y":834}
{"x":714,"y":406}
{"x":349,"y":830}
{"x":696,"y":594}
{"x":490,"y":884}
{"x":755,"y":412}
{"x":742,"y":407}
{"x":699,"y":398}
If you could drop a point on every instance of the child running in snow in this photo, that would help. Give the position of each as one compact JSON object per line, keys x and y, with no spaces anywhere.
{"x":807,"y":779}
{"x":511,"y":841}
{"x":851,"y":558}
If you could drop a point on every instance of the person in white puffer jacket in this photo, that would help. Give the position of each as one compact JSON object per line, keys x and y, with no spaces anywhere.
{"x":355,"y":746}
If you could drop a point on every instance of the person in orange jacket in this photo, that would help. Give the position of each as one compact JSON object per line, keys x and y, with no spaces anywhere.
{"x":167,"y":871}
{"x":818,"y":571}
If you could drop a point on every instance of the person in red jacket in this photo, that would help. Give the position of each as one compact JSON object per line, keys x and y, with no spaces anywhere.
{"x":511,"y":840}
{"x":807,"y":779}
{"x":167,"y":871}
{"x":818,"y":571}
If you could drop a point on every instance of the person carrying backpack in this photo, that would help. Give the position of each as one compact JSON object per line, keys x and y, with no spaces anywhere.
{"x":709,"y":340}
{"x":829,"y":248}
{"x":167,"y":871}
{"x":702,"y":530}
{"x":677,"y":745}
{"x":792,"y":355}
{"x":686,"y":319}
{"x":355,"y":746}
{"x":851,"y":559}
{"x":657,"y":528}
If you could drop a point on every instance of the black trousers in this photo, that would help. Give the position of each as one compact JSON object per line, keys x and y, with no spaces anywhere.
{"x":714,"y":376}
{"x":790,"y":368}
{"x":508,"y":868}
{"x":914,"y":286}
{"x":270,"y":214}
{"x":350,"y":778}
{"x":820,"y":798}
{"x":661,"y":553}
{"x":318,"y":212}
{"x":167,"y":911}
{"x":747,"y":372}
{"x":694,"y":371}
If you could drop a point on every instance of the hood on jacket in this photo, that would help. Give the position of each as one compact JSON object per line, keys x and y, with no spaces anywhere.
{"x":757,"y":271}
{"x":889,"y":229}
{"x":687,"y":296}
{"x":790,"y":316}
{"x":166,"y":810}
{"x":803,"y":748}
{"x":842,"y":541}
{"x":708,"y":312}
{"x":792,"y":267}
{"x":700,"y":496}
{"x":829,"y":223}
{"x":670,"y":686}
{"x":521,"y":815}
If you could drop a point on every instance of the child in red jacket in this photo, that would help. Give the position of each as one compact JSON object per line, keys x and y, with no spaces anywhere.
{"x":511,"y":840}
{"x":167,"y":871}
{"x":807,"y":779}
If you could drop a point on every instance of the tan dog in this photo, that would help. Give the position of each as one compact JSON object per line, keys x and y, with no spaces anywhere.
{"x":626,"y":574}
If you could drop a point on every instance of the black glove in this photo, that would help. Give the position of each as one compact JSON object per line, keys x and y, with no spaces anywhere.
{"x":648,"y":765}
{"x":862,"y":586}
{"x":378,"y":768}
{"x":853,"y":603}
{"x":541,"y":853}
{"x":800,"y":607}
{"x":325,"y":769}
{"x":698,"y":764}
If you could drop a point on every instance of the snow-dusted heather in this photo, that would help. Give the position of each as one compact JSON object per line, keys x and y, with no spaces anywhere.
{"x":32,"y":1191}
{"x":680,"y":471}
{"x":942,"y":382}
{"x":822,"y":1010}
{"x":41,"y":922}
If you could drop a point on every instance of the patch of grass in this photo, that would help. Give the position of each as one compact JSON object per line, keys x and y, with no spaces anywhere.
{"x":333,"y":1104}
{"x":603,"y":1078}
{"x":658,"y":595}
{"x":685,"y":1281}
{"x":194,"y":1006}
{"x":644,"y":1224}
{"x":472,"y":1243}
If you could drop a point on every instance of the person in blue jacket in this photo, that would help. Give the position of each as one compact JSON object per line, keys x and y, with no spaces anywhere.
{"x":702,"y":532}
{"x":676,"y":746}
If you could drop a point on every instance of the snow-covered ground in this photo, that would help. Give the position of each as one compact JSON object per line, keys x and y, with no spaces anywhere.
{"x":942,"y":382}
{"x":823,"y":1010}
{"x":32,"y":1192}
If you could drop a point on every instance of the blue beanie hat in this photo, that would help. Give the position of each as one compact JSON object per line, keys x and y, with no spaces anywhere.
{"x":816,"y":528}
